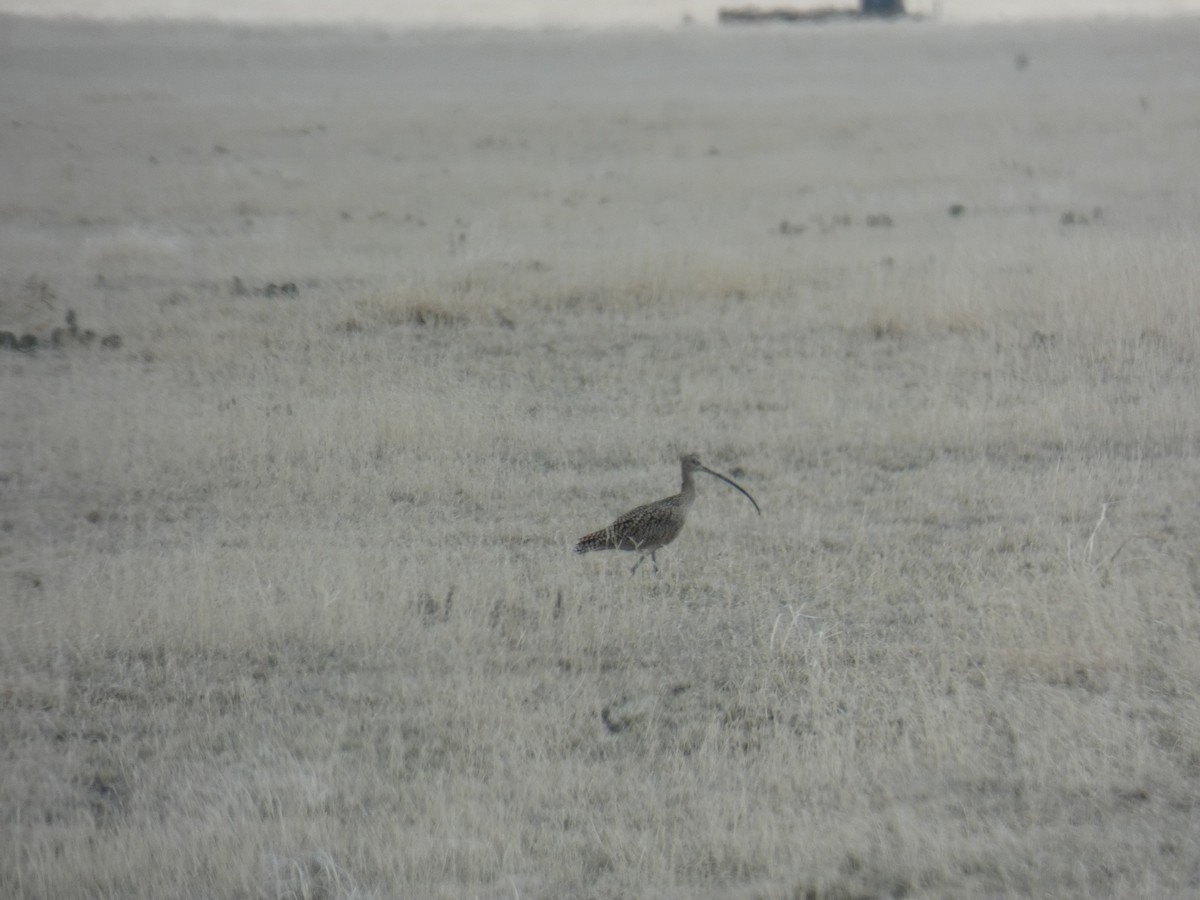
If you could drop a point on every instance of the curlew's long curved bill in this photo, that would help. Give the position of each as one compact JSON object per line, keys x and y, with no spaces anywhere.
{"x":734,"y":484}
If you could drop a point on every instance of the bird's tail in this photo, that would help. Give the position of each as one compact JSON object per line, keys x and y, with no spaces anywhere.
{"x":597,"y":540}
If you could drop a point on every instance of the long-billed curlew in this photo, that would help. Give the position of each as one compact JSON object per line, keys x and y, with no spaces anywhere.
{"x":654,"y":525}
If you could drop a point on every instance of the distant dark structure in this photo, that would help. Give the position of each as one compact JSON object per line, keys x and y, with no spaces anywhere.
{"x":867,"y":8}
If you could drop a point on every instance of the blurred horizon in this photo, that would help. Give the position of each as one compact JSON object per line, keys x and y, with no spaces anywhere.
{"x":556,"y":13}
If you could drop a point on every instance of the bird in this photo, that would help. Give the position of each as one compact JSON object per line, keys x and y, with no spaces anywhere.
{"x":650,"y":527}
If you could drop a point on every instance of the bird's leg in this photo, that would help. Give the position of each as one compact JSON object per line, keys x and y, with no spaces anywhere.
{"x":638,"y":563}
{"x":654,"y":561}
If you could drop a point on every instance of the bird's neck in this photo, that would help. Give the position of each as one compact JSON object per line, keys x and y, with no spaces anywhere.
{"x":688,"y":490}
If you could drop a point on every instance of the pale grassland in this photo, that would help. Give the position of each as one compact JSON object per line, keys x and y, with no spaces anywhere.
{"x":287,"y":603}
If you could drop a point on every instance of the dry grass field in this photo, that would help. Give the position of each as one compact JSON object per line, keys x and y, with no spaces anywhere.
{"x":288,"y":607}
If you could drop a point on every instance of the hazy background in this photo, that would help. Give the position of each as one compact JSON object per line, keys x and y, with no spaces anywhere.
{"x":542,"y":13}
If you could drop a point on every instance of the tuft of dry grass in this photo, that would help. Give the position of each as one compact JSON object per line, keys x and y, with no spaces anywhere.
{"x":287,"y":602}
